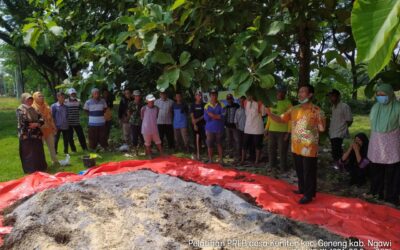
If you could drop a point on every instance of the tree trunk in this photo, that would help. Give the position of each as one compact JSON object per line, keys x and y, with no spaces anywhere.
{"x":354,"y":76}
{"x":21,"y":75}
{"x":18,"y":83}
{"x":304,"y":54}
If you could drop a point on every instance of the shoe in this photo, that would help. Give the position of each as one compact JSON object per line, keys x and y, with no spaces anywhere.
{"x":305,"y":200}
{"x":124,"y":148}
{"x":259,"y":165}
{"x":56,"y":164}
{"x":369,"y":196}
{"x":297,"y":192}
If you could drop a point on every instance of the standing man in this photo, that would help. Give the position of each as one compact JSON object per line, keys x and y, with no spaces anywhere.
{"x":198,"y":123}
{"x":109,"y":99}
{"x":339,"y":125}
{"x":164,"y":120}
{"x":135,"y":120}
{"x":231,"y":131}
{"x":60,"y":116}
{"x":95,"y":108}
{"x":253,"y":128}
{"x":307,"y":120}
{"x":180,"y":113}
{"x":123,"y":116}
{"x":214,"y":117}
{"x":149,"y":114}
{"x":240,"y":122}
{"x":73,"y":106}
{"x":278,"y":133}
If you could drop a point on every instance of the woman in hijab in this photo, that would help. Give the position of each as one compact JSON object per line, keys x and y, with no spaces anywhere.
{"x":30,"y":136}
{"x":355,"y":160}
{"x":384,"y":145}
{"x":48,"y":129}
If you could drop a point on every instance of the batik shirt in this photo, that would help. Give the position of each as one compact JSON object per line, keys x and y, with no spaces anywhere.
{"x":134,"y":110}
{"x":26,"y":115}
{"x":307,"y":121}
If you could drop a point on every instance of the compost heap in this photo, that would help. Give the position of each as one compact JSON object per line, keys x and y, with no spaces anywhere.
{"x":144,"y":210}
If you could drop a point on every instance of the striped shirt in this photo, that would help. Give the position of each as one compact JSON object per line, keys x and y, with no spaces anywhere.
{"x":73,"y":106}
{"x":96,"y":112}
{"x":165,"y":111}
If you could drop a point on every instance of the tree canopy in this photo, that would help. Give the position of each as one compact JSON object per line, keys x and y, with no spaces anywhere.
{"x":244,"y":46}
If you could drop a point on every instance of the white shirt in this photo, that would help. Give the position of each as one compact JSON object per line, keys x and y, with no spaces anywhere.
{"x":165,"y":111}
{"x":341,"y":114}
{"x":254,"y":123}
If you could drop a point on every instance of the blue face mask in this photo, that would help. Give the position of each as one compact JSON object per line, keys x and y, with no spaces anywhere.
{"x":383,"y":99}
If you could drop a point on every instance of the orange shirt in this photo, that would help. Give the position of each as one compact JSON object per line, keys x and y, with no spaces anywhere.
{"x":307,"y":120}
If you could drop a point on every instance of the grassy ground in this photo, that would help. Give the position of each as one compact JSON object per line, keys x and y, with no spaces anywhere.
{"x":10,"y":163}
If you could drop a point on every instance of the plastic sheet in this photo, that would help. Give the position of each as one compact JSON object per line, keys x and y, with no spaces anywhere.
{"x":347,"y":217}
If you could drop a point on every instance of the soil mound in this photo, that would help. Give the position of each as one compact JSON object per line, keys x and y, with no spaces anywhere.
{"x":144,"y":210}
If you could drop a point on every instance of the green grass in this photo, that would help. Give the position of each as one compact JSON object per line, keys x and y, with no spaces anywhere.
{"x":10,"y":163}
{"x":360,"y":124}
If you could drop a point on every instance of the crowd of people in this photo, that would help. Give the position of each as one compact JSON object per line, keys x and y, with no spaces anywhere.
{"x":240,"y":126}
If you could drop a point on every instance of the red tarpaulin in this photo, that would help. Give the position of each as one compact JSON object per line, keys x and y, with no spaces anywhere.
{"x":347,"y":217}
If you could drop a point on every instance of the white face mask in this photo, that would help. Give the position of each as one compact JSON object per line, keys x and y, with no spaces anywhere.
{"x":304,"y":101}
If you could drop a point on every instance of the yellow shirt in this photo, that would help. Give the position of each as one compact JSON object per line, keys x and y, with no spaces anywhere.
{"x":307,"y":120}
{"x":281,"y":107}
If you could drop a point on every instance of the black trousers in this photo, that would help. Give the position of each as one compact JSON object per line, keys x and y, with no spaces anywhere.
{"x":65,"y":134}
{"x":107,"y":130}
{"x":97,"y":135}
{"x":137,"y":136}
{"x":81,"y":137}
{"x":167,"y":130}
{"x":392,"y":182}
{"x":357,"y":175}
{"x":337,"y":150}
{"x":385,"y":181}
{"x":306,"y":169}
{"x":377,"y":179}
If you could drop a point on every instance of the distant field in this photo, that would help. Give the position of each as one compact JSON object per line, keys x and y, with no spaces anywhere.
{"x":10,"y":164}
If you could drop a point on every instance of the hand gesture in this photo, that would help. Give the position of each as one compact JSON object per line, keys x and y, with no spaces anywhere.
{"x":33,"y":125}
{"x":286,"y":137}
{"x":355,"y":146}
{"x":268,"y":111}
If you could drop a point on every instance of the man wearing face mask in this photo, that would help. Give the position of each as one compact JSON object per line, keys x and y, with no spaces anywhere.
{"x":307,"y":120}
{"x":384,"y":145}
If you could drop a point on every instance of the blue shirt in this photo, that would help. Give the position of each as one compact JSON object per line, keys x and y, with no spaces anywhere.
{"x":60,"y":115}
{"x":214,"y":126}
{"x":180,"y":112}
{"x":96,"y":112}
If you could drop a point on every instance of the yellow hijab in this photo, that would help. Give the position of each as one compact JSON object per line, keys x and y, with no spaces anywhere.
{"x":43,"y":108}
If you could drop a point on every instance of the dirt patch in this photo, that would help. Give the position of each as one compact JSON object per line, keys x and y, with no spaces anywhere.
{"x":144,"y":210}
